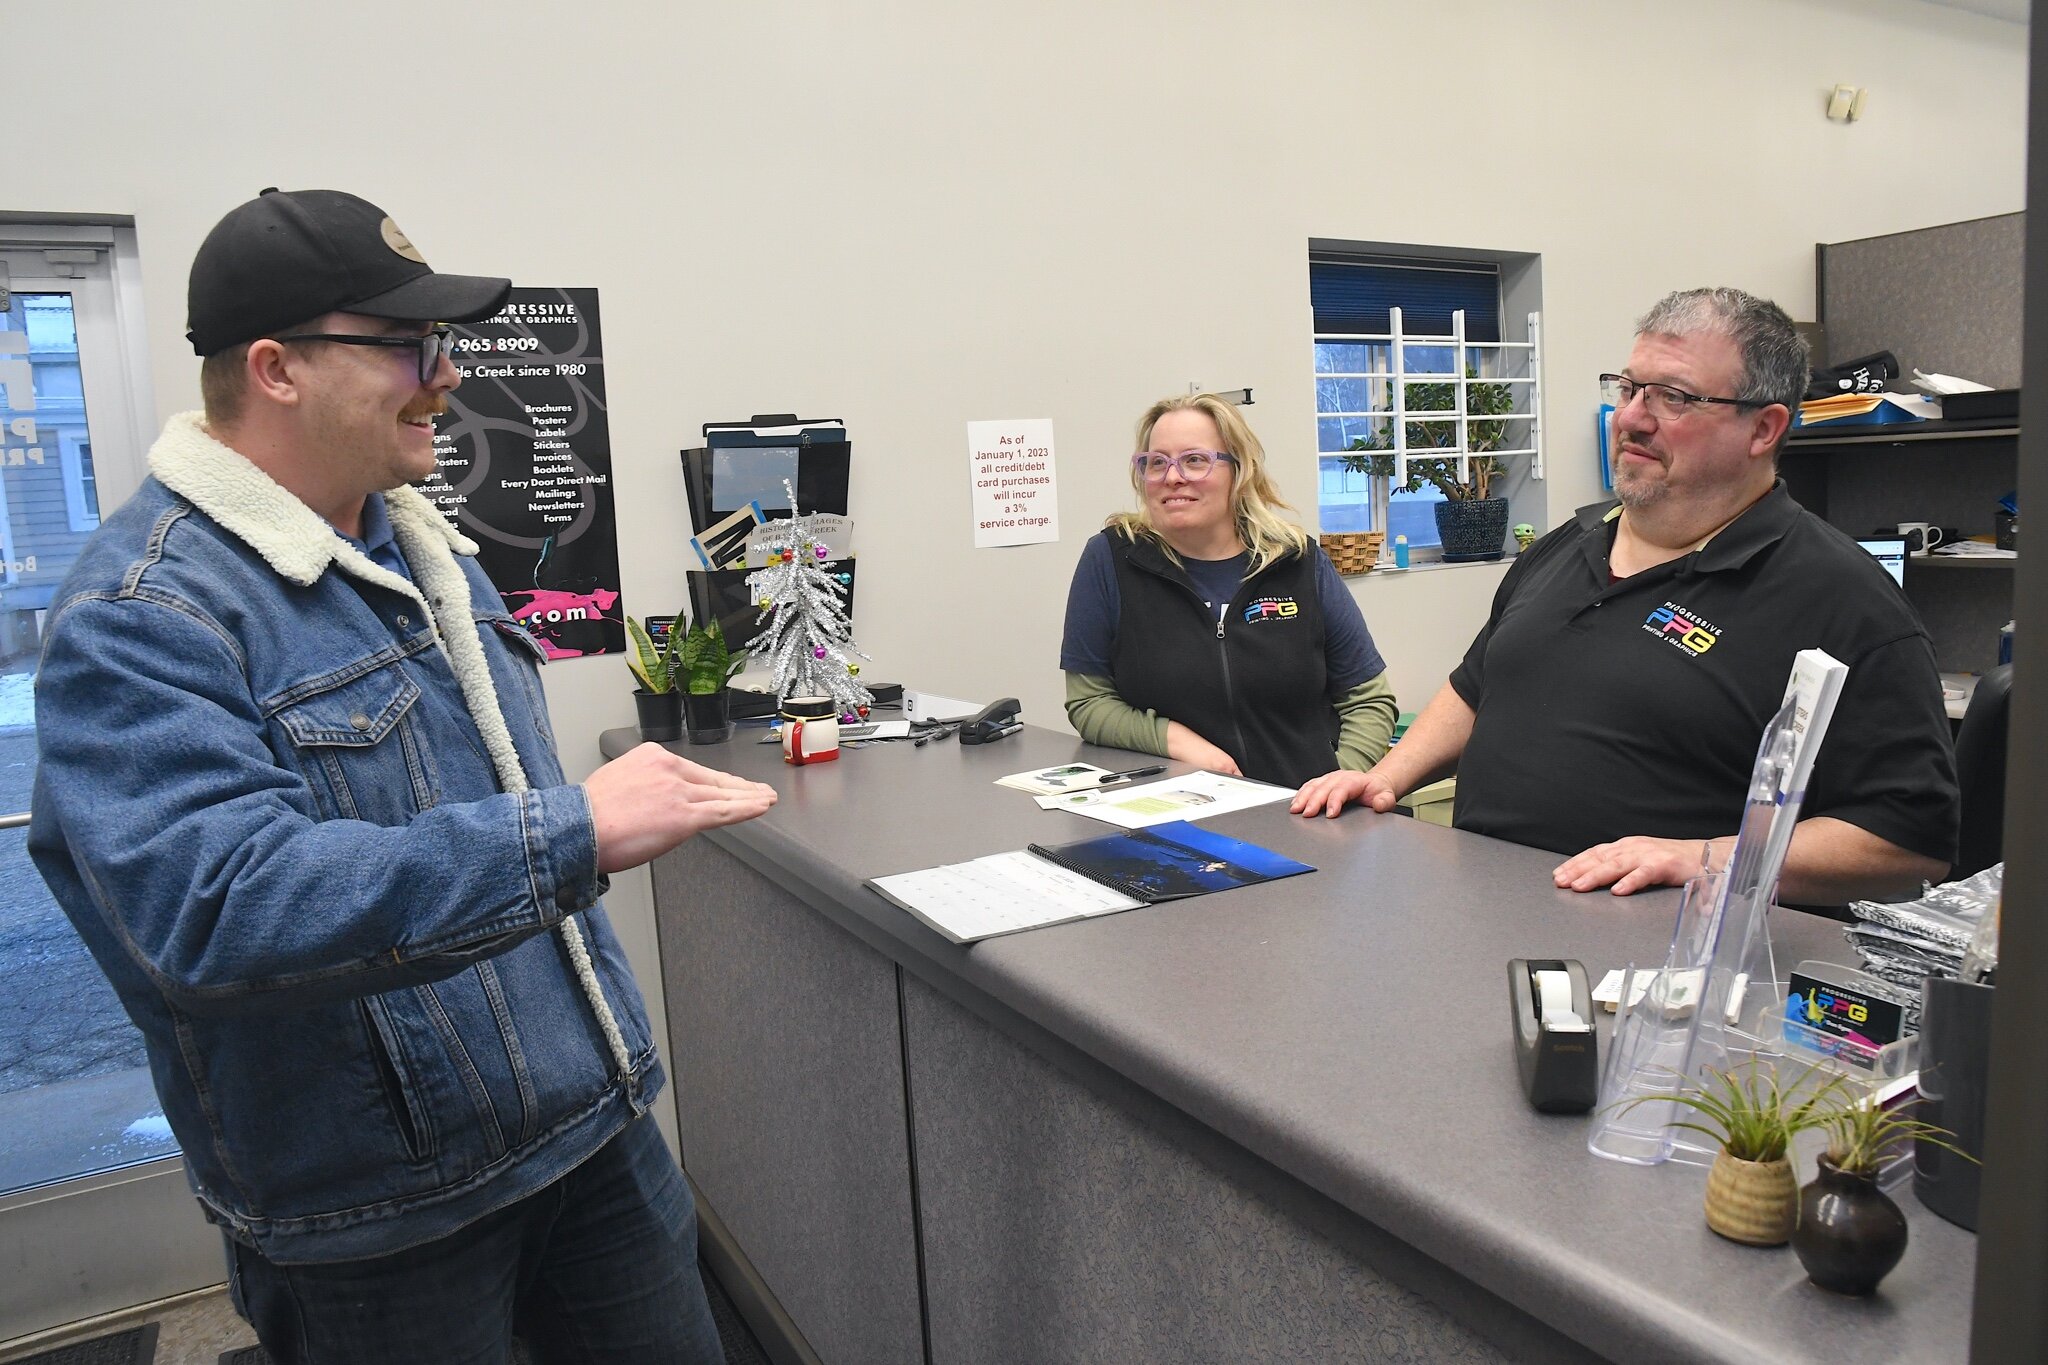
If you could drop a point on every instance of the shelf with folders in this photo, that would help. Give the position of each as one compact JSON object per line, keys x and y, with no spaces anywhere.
{"x":1513,"y":367}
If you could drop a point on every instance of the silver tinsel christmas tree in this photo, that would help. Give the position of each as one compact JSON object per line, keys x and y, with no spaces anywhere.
{"x":807,"y":643}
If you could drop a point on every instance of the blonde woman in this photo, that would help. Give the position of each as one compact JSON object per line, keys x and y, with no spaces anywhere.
{"x":1205,"y":627}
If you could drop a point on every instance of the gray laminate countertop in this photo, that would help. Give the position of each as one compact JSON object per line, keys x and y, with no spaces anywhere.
{"x":1351,"y":1028}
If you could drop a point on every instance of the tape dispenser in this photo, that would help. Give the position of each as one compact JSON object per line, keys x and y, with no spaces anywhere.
{"x":1556,"y":1046}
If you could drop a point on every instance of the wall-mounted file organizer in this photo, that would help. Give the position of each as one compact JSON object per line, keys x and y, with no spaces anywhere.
{"x":741,"y":476}
{"x":722,"y":595}
{"x":742,"y":463}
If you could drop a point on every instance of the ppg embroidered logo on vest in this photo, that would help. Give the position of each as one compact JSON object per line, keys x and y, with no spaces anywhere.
{"x":1271,"y":609}
{"x":1681,"y":629}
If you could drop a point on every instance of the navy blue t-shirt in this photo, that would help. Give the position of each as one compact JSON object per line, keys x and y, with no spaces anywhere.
{"x":1093,"y":606}
{"x":378,"y":540}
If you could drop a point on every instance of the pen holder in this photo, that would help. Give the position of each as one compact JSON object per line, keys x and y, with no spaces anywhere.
{"x":1955,"y":1056}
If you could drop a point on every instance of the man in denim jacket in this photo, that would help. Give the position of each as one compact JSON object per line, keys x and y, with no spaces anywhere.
{"x":298,"y":793}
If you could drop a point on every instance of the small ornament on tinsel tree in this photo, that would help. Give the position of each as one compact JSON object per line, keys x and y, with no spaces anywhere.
{"x":807,"y":641}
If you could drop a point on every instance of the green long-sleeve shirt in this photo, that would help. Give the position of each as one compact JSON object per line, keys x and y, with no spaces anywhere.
{"x":1365,"y":719}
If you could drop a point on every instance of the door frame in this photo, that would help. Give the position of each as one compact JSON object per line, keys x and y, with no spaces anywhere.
{"x":112,"y":1239}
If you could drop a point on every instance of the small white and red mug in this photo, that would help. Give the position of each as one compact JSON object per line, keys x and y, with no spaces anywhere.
{"x":810,"y":730}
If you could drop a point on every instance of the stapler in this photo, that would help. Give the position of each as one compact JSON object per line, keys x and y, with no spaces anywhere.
{"x":1556,"y":1047}
{"x":997,"y":719}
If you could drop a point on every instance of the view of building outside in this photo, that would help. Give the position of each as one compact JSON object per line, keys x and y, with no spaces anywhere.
{"x":74,"y":1091}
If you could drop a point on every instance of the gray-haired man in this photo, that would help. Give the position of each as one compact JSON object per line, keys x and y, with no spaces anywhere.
{"x":1611,"y":707}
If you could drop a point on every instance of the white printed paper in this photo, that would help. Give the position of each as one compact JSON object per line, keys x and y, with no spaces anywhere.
{"x":1016,"y":490}
{"x":999,"y":894}
{"x":833,"y":531}
{"x":1063,"y":777}
{"x":1192,"y":797}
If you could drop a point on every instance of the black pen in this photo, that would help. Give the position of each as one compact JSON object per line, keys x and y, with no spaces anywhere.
{"x":1152,"y":771}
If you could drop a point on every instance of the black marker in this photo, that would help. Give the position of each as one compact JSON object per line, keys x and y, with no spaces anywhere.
{"x":1152,"y":771}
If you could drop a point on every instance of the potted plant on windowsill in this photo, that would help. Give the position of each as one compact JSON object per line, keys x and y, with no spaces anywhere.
{"x":708,"y":668}
{"x":1752,"y":1196}
{"x":1850,"y":1233}
{"x":660,"y":706}
{"x":1471,"y":523}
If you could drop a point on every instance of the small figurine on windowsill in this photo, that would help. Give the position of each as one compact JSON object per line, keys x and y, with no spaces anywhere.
{"x":1525,"y":536}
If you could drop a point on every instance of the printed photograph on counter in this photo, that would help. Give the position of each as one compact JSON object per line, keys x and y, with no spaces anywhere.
{"x":525,"y":467}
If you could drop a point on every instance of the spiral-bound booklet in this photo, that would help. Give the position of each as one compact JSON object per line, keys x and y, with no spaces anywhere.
{"x":1169,"y":861}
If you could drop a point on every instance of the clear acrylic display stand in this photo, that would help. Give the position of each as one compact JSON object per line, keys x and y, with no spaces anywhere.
{"x":1717,"y":1000}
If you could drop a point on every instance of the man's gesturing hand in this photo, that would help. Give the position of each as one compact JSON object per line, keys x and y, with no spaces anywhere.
{"x":648,"y":800}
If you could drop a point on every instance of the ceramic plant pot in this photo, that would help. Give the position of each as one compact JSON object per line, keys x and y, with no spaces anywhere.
{"x":661,"y":714}
{"x":707,"y":716}
{"x":1752,"y":1202}
{"x":1472,"y":528}
{"x":1850,"y":1233}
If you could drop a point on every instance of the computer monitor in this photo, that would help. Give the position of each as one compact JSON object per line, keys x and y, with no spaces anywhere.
{"x":1890,"y":552}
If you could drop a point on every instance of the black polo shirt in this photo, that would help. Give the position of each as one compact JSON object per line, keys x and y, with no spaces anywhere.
{"x":1606,"y":709}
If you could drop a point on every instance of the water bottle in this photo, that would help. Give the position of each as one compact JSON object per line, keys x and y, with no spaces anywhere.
{"x":1401,"y":554}
{"x":2004,"y":642}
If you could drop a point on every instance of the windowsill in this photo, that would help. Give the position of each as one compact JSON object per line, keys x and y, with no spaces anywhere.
{"x":1387,"y":571}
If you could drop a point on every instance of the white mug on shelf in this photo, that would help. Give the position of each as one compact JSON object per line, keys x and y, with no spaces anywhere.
{"x":1921,"y":536}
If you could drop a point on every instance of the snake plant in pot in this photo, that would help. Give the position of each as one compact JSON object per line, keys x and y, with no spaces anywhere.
{"x":708,"y":668}
{"x":659,"y":704}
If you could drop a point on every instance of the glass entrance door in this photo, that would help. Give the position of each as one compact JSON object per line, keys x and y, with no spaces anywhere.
{"x":94,"y":1213}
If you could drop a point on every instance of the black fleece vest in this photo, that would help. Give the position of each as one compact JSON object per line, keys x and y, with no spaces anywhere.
{"x":1257,"y":687}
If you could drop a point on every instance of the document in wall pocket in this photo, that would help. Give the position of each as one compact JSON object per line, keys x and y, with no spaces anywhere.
{"x":1556,"y":1047}
{"x":745,"y":462}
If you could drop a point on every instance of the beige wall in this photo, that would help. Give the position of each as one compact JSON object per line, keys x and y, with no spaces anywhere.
{"x":917,"y":214}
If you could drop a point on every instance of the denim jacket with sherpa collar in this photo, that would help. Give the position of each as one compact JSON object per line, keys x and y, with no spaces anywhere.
{"x":309,"y":818}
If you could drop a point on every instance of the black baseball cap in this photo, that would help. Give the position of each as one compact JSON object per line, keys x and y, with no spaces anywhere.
{"x":289,"y":256}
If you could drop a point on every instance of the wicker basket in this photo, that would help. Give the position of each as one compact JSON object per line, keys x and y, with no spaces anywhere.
{"x":1354,"y":552}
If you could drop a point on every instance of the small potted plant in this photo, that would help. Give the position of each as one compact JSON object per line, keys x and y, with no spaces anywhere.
{"x":1470,"y":522}
{"x":1752,"y":1196}
{"x":660,"y":706}
{"x":1850,"y":1233}
{"x":707,"y":669}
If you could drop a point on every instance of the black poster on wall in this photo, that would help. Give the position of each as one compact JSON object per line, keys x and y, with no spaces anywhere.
{"x":524,"y":467}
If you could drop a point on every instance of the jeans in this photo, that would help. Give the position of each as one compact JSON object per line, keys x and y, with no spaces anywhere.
{"x":599,"y":1266}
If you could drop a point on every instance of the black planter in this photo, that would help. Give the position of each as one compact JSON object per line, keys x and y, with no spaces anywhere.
{"x":661,"y":714}
{"x":1472,"y":528}
{"x":1850,"y":1233}
{"x":707,"y":716}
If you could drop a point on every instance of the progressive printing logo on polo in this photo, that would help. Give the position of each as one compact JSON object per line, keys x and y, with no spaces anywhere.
{"x":1682,"y":630}
{"x":1271,"y":609}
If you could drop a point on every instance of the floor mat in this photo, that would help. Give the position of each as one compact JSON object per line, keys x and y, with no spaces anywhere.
{"x":740,"y":1346}
{"x":136,"y":1346}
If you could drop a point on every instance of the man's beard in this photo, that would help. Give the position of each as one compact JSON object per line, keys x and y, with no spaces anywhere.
{"x":1637,"y":493}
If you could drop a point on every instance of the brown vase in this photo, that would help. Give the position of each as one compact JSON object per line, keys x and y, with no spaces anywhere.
{"x":1752,"y":1202}
{"x":1850,"y":1232}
